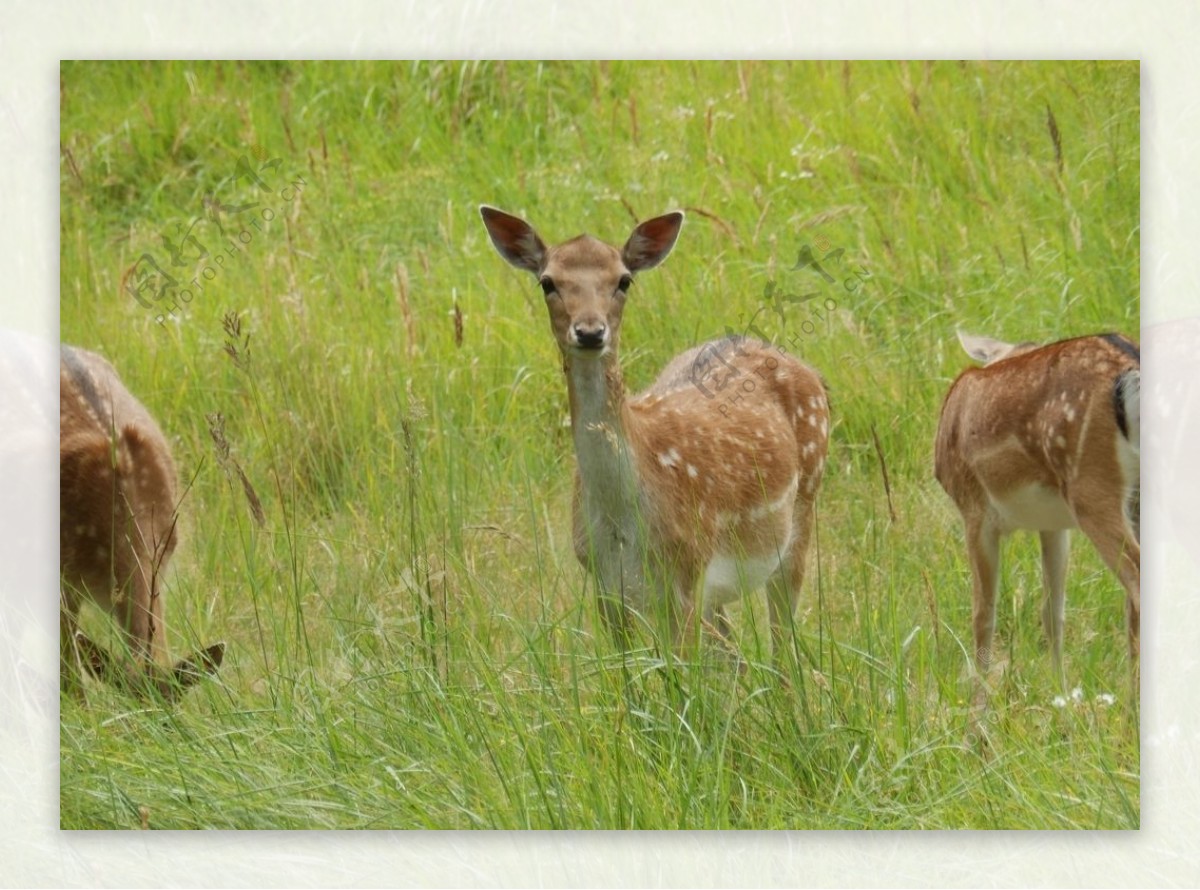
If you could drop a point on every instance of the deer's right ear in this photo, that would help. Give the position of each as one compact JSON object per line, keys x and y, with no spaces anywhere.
{"x":515,"y":239}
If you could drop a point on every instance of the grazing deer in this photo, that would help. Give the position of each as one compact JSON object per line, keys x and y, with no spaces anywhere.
{"x":676,"y":486}
{"x":117,"y":502}
{"x":1045,"y":438}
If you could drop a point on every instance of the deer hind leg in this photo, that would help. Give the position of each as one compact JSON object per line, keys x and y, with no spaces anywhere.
{"x":983,"y":552}
{"x":719,"y":622}
{"x":1103,"y":519}
{"x":1055,"y":549}
{"x":783,"y":588}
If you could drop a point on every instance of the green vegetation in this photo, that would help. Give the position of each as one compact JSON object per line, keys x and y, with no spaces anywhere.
{"x":412,"y":644}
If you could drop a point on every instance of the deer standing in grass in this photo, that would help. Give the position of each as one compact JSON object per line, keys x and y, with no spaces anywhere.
{"x":117,"y":503}
{"x":1045,"y":438}
{"x":674,"y":487}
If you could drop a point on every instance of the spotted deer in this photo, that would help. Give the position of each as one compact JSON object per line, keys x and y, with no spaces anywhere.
{"x":1045,"y":438}
{"x":708,"y":478}
{"x":117,"y":515}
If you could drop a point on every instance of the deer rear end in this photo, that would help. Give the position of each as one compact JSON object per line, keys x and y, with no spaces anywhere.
{"x":1045,"y":438}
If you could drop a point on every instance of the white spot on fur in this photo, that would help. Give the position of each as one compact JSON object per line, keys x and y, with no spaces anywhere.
{"x":692,"y":471}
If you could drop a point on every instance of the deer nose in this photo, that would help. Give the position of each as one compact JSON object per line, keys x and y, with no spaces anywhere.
{"x":590,"y":334}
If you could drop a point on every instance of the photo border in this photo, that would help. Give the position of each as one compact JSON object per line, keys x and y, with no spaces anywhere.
{"x":1167,"y":847}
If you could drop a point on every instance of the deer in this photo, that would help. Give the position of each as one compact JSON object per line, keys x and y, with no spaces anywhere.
{"x":117,"y":530}
{"x":1047,"y":439}
{"x":708,"y":478}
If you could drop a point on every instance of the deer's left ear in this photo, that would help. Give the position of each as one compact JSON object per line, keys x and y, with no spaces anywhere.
{"x":652,"y":241}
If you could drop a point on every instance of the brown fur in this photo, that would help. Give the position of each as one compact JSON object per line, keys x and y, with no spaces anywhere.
{"x":681,"y":482}
{"x":118,"y":494}
{"x":1033,"y":440}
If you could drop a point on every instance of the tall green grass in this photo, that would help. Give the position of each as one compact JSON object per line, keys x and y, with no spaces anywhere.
{"x":412,"y":644}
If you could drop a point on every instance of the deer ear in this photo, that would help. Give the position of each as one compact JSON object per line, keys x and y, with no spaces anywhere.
{"x":514,"y":238}
{"x":188,"y":672}
{"x":984,"y":349}
{"x":199,"y":664}
{"x":652,"y":241}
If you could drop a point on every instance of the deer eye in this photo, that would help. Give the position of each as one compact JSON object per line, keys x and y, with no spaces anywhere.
{"x":625,"y":283}
{"x":547,"y":284}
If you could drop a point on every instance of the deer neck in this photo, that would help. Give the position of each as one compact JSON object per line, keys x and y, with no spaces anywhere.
{"x":599,"y":426}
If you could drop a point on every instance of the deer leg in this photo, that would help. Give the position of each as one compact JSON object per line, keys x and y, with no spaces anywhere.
{"x":983,"y":551}
{"x":678,"y":588}
{"x":783,"y":588}
{"x":188,"y":671}
{"x":719,"y":588}
{"x":686,"y":626}
{"x":719,"y":621}
{"x":615,"y":618}
{"x":1055,"y":549}
{"x":1104,"y":521}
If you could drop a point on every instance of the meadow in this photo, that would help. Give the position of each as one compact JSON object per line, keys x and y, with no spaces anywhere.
{"x":370,"y":419}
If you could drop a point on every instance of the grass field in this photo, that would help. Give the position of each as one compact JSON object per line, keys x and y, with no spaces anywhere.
{"x":411,"y":641}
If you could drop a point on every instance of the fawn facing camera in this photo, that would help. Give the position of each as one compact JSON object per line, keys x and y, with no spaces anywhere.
{"x":674,"y":488}
{"x":117,"y":516}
